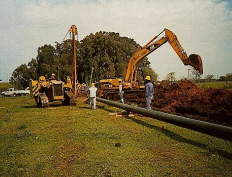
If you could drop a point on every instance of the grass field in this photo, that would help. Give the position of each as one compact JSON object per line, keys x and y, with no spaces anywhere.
{"x":4,"y":86}
{"x":216,"y":85}
{"x":76,"y":141}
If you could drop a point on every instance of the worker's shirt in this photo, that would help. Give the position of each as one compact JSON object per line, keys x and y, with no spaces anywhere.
{"x":120,"y":88}
{"x":92,"y":91}
{"x":149,"y":90}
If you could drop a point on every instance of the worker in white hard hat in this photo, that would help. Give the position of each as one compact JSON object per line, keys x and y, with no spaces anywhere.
{"x":52,"y":77}
{"x":92,"y":96}
{"x":149,"y":91}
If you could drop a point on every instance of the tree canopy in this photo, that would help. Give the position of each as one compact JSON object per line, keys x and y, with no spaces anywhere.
{"x":107,"y":52}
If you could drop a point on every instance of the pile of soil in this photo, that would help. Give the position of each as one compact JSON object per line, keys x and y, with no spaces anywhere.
{"x":185,"y":98}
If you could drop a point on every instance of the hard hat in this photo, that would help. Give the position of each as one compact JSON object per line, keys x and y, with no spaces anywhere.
{"x":42,"y":78}
{"x":53,"y":74}
{"x":92,"y":84}
{"x":119,"y":80}
{"x":148,"y":78}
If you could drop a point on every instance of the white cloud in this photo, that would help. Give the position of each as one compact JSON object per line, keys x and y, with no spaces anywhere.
{"x":203,"y":27}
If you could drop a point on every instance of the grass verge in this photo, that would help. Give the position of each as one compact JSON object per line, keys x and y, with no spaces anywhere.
{"x":76,"y":141}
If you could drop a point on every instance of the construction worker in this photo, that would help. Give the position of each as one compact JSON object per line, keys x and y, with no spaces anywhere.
{"x":149,"y":91}
{"x":86,"y":88}
{"x":52,"y":77}
{"x":120,"y":91}
{"x":41,"y":78}
{"x":92,"y":96}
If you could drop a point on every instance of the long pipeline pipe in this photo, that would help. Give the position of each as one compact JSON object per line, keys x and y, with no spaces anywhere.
{"x":216,"y":130}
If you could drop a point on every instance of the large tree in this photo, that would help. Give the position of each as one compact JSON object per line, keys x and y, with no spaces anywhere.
{"x":107,"y":52}
{"x":23,"y":74}
{"x":64,"y":58}
{"x":20,"y":77}
{"x":45,"y":60}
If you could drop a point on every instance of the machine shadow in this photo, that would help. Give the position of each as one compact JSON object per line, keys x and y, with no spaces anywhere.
{"x":32,"y":106}
{"x":50,"y":106}
{"x":179,"y":138}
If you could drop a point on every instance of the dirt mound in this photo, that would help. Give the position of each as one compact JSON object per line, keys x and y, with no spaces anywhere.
{"x":186,"y":98}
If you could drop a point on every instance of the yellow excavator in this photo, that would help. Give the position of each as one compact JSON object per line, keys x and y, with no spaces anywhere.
{"x":110,"y":86}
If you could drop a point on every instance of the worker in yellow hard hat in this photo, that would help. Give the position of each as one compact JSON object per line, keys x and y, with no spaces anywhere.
{"x":41,"y":78}
{"x":149,"y":91}
{"x":68,"y":80}
{"x":92,"y":96}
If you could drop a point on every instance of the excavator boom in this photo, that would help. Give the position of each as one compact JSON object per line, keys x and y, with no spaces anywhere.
{"x":109,"y":87}
{"x":193,"y":60}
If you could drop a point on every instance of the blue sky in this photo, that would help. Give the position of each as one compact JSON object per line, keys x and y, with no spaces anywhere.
{"x":203,"y":27}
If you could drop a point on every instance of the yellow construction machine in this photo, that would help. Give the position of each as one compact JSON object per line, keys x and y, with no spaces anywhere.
{"x":108,"y":87}
{"x":48,"y":90}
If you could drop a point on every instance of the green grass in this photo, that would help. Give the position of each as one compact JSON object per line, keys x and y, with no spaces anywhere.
{"x":76,"y":141}
{"x":216,"y":85}
{"x":4,"y":86}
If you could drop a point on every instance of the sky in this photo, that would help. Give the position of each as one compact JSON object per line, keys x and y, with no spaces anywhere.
{"x":203,"y":27}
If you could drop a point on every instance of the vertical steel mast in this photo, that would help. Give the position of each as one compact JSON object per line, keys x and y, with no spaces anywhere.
{"x":73,"y":30}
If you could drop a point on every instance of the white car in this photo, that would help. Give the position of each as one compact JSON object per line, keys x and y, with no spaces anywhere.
{"x":13,"y":92}
{"x":9,"y":92}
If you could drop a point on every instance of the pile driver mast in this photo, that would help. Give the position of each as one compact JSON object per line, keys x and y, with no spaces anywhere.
{"x":73,"y":30}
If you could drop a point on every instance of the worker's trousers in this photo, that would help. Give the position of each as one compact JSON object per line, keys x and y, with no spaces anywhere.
{"x":148,"y":103}
{"x":92,"y":102}
{"x":121,"y":97}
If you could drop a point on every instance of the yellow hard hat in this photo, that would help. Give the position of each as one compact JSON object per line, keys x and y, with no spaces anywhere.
{"x":42,"y":78}
{"x":119,"y":80}
{"x":53,"y":74}
{"x":92,"y":84}
{"x":148,"y":78}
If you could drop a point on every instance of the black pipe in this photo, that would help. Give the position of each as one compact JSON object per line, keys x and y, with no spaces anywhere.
{"x":216,"y":130}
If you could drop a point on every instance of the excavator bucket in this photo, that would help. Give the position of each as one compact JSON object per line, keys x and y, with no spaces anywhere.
{"x":196,"y":62}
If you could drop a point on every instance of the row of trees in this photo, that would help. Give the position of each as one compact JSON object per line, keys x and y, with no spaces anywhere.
{"x":107,"y":52}
{"x":195,"y":76}
{"x":211,"y":78}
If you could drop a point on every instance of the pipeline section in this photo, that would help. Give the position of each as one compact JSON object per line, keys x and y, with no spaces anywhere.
{"x":215,"y":130}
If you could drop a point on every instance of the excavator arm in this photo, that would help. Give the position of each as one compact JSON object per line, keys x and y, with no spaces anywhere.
{"x":193,"y":60}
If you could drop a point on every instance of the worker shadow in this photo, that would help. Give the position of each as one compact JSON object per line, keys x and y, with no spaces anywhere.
{"x":103,"y":107}
{"x":84,"y":107}
{"x":177,"y":137}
